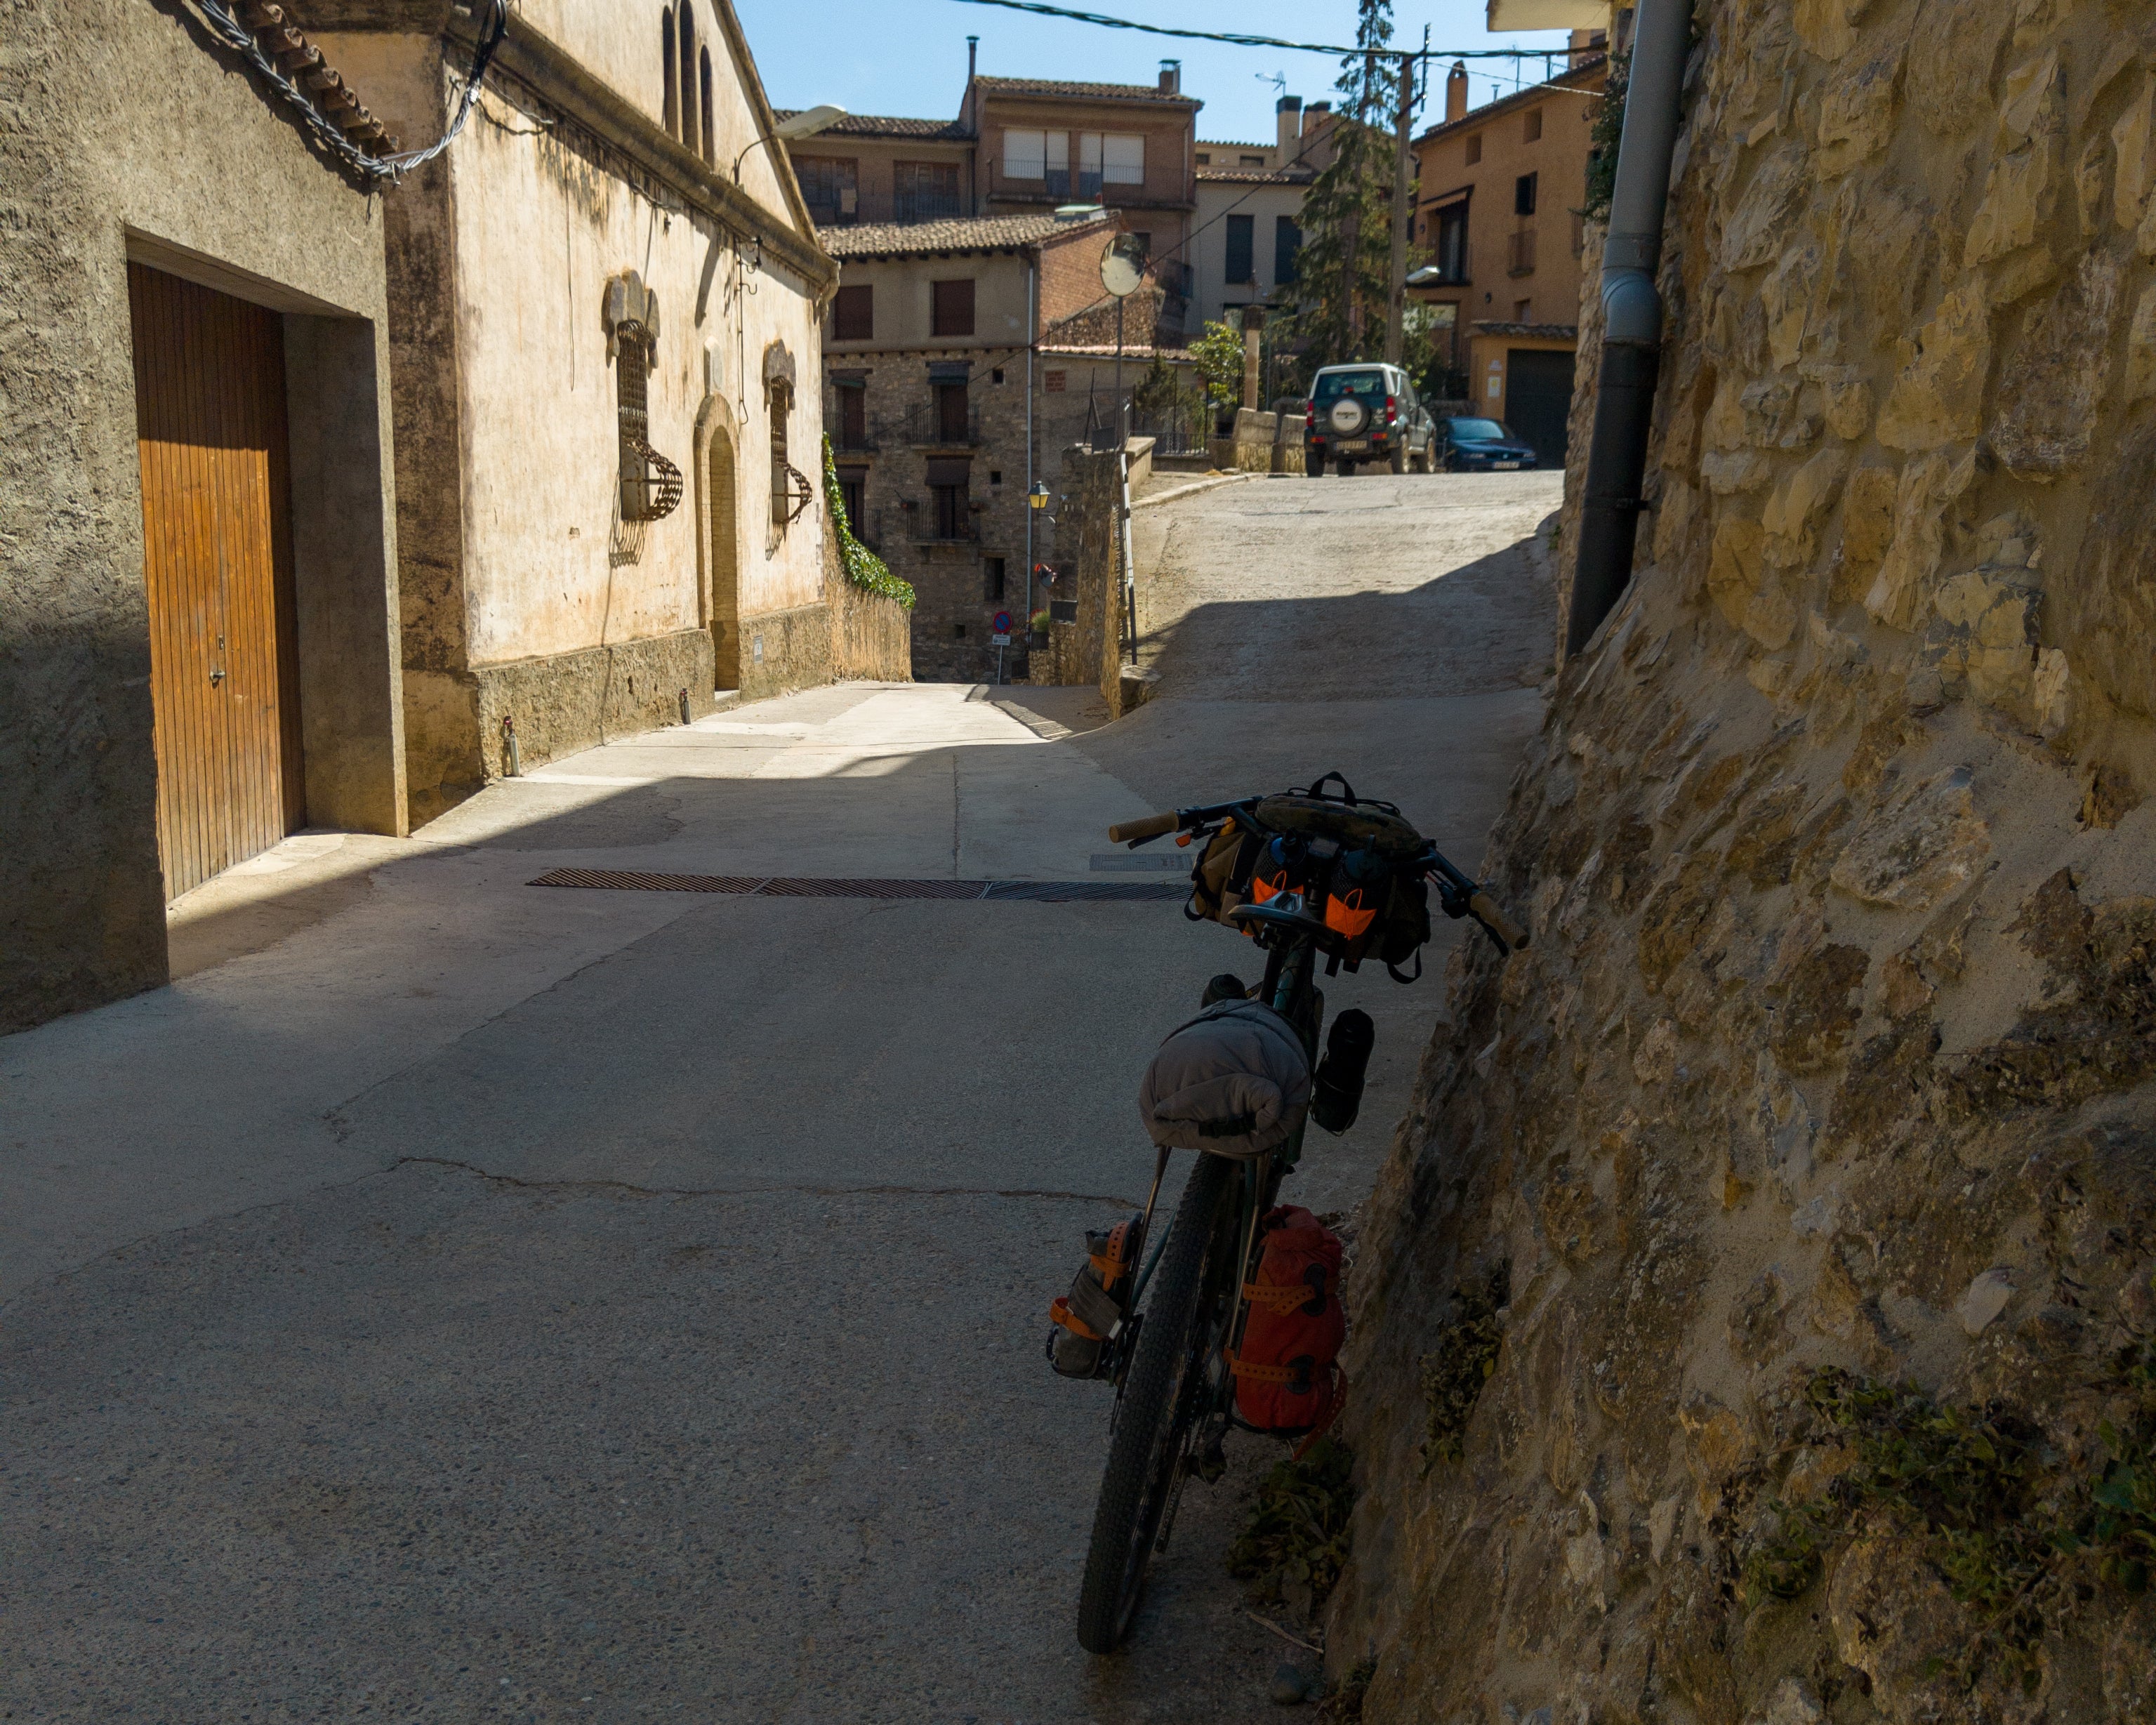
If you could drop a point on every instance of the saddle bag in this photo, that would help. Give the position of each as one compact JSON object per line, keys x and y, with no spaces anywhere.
{"x":1287,"y":1371}
{"x":1099,"y":1295}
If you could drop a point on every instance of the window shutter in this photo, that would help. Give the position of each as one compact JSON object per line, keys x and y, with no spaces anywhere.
{"x":1025,"y":155}
{"x":853,"y":314}
{"x":1242,"y":265}
{"x":952,"y":308}
{"x":1123,"y":159}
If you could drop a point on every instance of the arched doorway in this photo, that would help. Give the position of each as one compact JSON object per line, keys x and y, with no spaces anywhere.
{"x":722,"y":556}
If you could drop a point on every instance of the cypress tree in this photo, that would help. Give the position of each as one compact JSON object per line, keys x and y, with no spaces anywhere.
{"x":1346,"y":253}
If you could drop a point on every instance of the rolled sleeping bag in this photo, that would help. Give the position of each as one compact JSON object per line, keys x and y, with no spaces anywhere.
{"x":1234,"y":1081}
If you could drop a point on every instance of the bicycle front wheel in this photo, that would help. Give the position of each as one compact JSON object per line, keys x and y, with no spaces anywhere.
{"x":1159,"y":1408}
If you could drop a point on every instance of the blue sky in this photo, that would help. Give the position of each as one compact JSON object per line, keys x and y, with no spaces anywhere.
{"x":909,"y":56}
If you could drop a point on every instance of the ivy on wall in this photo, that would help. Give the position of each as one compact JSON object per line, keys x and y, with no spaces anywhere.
{"x":863,"y":566}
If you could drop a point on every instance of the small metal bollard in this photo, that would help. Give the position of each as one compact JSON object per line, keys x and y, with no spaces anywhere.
{"x":512,"y":764}
{"x":684,"y":706}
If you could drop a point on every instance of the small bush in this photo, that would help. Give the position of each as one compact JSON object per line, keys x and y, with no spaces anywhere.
{"x":1296,"y":1542}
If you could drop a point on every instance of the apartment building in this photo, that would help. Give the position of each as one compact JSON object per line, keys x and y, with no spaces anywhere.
{"x":1129,"y":147}
{"x":1022,"y":146}
{"x":1498,"y":226}
{"x":878,"y":169}
{"x":945,"y":404}
{"x":1249,"y":232}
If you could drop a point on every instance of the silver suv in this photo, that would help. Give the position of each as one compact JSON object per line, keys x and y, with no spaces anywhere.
{"x":1366,"y":413}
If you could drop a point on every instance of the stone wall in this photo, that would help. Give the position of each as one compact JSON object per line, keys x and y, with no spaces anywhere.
{"x":92,"y":182}
{"x":1834,"y":1045}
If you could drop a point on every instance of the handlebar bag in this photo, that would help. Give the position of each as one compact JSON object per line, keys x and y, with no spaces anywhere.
{"x":1287,"y":1371}
{"x":1220,"y":881}
{"x":1233,"y":1081}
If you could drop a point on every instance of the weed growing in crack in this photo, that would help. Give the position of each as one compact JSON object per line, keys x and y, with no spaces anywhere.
{"x":1296,"y":1542}
{"x":1345,"y":1703}
{"x":2000,"y":1522}
{"x":1455,"y":1371}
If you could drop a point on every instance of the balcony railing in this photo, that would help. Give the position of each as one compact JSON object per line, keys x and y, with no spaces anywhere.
{"x":860,"y":441}
{"x":1521,"y":257}
{"x":1067,"y":187}
{"x":906,"y":208}
{"x":931,"y":425}
{"x":928,"y":524}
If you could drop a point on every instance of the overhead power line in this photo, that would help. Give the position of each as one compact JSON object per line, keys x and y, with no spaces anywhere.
{"x":1242,"y":41}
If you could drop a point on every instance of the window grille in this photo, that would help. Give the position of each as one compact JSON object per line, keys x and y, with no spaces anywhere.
{"x":650,"y":484}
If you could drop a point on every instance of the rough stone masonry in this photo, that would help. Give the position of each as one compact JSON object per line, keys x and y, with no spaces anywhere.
{"x":1835,"y":1049}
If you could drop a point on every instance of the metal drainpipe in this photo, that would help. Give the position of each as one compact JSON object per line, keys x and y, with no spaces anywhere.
{"x":1632,"y":317}
{"x":1032,"y":346}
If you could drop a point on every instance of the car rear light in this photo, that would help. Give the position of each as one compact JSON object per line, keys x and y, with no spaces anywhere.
{"x":1391,"y":410}
{"x":1310,"y":409}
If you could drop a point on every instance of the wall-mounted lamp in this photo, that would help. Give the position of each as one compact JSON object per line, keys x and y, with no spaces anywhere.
{"x":804,"y":125}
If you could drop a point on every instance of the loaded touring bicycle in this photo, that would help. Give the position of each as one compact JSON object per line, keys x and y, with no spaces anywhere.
{"x":1229,"y":1316}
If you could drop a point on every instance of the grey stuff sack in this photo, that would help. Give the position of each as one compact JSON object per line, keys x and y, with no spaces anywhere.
{"x":1234,"y":1082}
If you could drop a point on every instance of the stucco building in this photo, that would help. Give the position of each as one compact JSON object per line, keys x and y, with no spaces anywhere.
{"x":1247,"y":233}
{"x":198,"y":630}
{"x":1498,"y":228}
{"x":945,"y":406}
{"x":607,"y":366}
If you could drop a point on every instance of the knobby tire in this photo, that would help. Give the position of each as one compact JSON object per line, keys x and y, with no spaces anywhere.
{"x":1155,"y":1417}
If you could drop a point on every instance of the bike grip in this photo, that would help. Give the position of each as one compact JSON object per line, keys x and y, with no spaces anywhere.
{"x":1484,"y":910}
{"x":1151,"y":827}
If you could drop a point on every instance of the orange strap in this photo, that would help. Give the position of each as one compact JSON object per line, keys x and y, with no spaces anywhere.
{"x":1257,"y":1374}
{"x":1061,"y":1313}
{"x":1109,"y":1265}
{"x":1282,"y":1297}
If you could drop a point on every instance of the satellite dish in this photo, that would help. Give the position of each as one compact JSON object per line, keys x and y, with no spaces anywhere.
{"x":1122,"y":265}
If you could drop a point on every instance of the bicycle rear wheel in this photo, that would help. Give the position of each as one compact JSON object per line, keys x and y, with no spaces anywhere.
{"x":1159,"y":1408}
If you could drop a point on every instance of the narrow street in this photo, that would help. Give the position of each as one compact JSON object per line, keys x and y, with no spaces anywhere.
{"x":453,"y":1298}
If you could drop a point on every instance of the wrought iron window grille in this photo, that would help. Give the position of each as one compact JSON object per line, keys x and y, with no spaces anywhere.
{"x":650,"y":484}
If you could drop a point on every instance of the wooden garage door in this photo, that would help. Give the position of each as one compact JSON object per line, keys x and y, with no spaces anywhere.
{"x":209,"y":404}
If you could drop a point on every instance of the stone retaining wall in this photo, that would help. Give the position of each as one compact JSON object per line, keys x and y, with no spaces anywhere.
{"x":1835,"y":1048}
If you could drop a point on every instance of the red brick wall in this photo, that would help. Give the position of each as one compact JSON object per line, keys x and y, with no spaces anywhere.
{"x":1070,"y":271}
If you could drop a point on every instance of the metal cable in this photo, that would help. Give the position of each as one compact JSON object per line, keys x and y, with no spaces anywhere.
{"x":375,"y":170}
{"x":1241,"y":41}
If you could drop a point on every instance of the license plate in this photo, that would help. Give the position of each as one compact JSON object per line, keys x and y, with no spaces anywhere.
{"x":1353,"y":446}
{"x":1504,"y":464}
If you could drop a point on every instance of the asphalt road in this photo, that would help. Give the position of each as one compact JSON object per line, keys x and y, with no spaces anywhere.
{"x":454,"y":1299}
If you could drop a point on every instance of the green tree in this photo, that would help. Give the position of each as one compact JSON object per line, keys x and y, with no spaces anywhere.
{"x":1345,"y":266}
{"x":1218,"y":352}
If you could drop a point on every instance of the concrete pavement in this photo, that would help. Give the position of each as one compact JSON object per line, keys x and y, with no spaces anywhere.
{"x":474,"y":1300}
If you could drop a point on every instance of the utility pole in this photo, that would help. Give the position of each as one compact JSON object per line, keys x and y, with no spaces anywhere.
{"x":1397,"y":286}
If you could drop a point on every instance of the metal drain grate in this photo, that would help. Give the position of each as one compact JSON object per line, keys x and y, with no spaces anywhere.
{"x":752,"y":885}
{"x":629,"y":879}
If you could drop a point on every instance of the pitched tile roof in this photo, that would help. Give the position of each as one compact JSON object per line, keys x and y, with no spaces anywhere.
{"x":881,"y":125}
{"x":963,"y":233}
{"x":1065,"y":87}
{"x":1259,"y":176}
{"x":1523,"y":332}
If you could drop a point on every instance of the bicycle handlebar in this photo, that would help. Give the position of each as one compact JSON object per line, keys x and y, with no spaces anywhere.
{"x":1484,"y":910}
{"x":1151,"y":827}
{"x":1460,"y":894}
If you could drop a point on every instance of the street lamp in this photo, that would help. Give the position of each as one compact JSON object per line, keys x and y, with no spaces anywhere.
{"x":804,"y":125}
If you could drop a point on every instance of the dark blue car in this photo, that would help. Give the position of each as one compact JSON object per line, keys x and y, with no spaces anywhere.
{"x":1482,"y":445}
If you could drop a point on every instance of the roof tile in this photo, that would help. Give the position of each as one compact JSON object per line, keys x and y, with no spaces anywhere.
{"x":964,"y":233}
